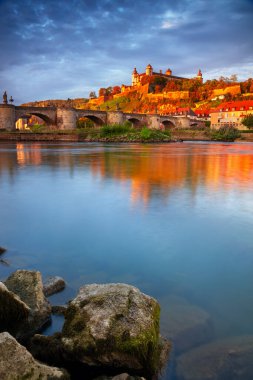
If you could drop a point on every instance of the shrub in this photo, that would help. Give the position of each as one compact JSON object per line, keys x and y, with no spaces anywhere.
{"x":248,"y":121}
{"x":225,"y":134}
{"x":84,"y":123}
{"x":35,"y":128}
{"x":115,"y":129}
{"x":146,"y":133}
{"x":154,"y":134}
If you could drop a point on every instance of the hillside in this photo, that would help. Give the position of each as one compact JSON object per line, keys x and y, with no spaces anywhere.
{"x":155,"y":93}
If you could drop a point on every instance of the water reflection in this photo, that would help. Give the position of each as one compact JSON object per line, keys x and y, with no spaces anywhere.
{"x":151,"y":170}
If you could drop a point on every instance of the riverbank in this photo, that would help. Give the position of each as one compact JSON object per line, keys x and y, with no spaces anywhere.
{"x":96,"y":136}
{"x":90,"y":135}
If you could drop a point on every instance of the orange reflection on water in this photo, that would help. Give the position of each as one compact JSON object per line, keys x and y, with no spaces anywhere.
{"x":28,"y":155}
{"x":149,"y":170}
{"x":174,"y":166}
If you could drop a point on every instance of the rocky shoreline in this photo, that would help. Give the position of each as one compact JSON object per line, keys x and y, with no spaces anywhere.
{"x":108,"y":329}
{"x":111,"y":332}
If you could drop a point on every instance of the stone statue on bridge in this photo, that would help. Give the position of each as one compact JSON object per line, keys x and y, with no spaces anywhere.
{"x":5,"y":98}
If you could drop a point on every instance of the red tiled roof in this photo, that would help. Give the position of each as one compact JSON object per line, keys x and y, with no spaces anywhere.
{"x":234,"y":106}
{"x":202,"y":112}
{"x":183,"y":109}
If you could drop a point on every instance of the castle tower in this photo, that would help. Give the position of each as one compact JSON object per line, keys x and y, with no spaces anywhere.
{"x":199,"y":76}
{"x":169,"y":72}
{"x":135,"y":77}
{"x":149,"y":70}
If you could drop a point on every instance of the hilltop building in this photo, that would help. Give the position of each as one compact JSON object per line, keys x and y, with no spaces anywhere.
{"x":136,"y":77}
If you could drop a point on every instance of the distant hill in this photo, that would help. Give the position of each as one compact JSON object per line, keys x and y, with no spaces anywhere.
{"x":76,"y":103}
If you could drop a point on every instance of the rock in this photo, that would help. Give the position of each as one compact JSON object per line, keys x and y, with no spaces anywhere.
{"x":122,"y":376}
{"x":48,"y":349}
{"x":17,"y":363}
{"x":2,"y":250}
{"x":28,"y":286}
{"x":186,"y":325}
{"x":228,"y":359}
{"x":53,"y":285}
{"x":113,"y":325}
{"x":13,"y":311}
{"x":59,"y":309}
{"x":5,"y":262}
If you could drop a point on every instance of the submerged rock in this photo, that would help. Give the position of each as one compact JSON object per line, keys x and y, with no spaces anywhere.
{"x":228,"y":359}
{"x":5,"y":262}
{"x":2,"y":250}
{"x":28,"y":286}
{"x":13,"y":311}
{"x":59,"y":309}
{"x":17,"y":363}
{"x":53,"y":285}
{"x":122,"y":376}
{"x":114,"y":325}
{"x":186,"y":325}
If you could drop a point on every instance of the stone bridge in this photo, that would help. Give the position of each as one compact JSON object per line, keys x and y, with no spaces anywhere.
{"x":66,"y":118}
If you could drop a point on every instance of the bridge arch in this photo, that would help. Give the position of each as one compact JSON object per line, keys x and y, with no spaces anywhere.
{"x":134,"y":121}
{"x":168,"y":124}
{"x":95,"y":119}
{"x":43,"y":117}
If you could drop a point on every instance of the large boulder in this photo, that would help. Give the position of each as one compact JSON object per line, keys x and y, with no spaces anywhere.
{"x":13,"y":311}
{"x":228,"y":359}
{"x":113,"y":325}
{"x":185,"y":324}
{"x":28,"y":286}
{"x":17,"y":363}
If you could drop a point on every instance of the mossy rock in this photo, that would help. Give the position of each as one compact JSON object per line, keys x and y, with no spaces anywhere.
{"x":27,"y":285}
{"x":113,"y":325}
{"x":13,"y":311}
{"x":16,"y":363}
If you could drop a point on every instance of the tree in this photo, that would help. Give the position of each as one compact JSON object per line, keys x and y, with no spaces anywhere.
{"x":116,"y":90}
{"x":248,"y":121}
{"x":102,"y":92}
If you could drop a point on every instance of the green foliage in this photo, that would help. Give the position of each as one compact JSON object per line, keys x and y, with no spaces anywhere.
{"x":248,"y":121}
{"x":37,"y":128}
{"x":115,"y":129}
{"x":84,"y":123}
{"x":112,"y":105}
{"x":225,"y":134}
{"x":208,"y":123}
{"x":146,"y":133}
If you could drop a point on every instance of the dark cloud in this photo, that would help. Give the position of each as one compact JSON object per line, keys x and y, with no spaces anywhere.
{"x":61,"y":49}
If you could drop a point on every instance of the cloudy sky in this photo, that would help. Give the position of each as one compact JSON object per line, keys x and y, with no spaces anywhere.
{"x":59,"y":49}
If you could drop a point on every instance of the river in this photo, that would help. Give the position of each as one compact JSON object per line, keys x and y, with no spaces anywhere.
{"x":175,"y":220}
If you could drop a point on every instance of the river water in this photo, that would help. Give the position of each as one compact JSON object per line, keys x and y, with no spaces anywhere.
{"x":175,"y":220}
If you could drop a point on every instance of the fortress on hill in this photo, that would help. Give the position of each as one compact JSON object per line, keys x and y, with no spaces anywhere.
{"x":136,"y":77}
{"x":144,"y":84}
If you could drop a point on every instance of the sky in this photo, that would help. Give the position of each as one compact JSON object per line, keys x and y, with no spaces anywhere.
{"x":57,"y":49}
